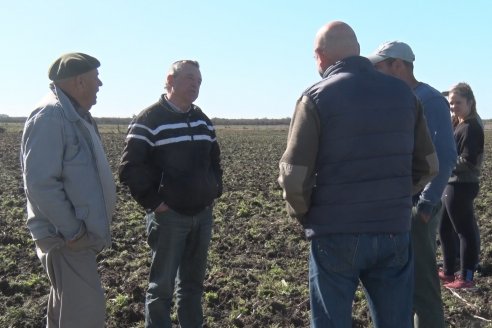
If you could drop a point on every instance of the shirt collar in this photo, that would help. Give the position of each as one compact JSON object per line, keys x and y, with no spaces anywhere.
{"x":174,"y":107}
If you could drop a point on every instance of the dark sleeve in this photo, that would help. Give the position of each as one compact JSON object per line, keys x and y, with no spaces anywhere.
{"x":216,"y":167}
{"x":136,"y":170}
{"x":470,"y":144}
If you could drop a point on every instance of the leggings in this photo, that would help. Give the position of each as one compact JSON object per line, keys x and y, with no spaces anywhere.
{"x":459,"y":218}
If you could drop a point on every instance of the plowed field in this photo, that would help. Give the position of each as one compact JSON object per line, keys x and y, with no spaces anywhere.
{"x":257,"y":273}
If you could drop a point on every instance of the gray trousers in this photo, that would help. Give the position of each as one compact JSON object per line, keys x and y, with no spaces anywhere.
{"x":76,"y":296}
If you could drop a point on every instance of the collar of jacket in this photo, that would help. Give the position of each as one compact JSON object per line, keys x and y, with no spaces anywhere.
{"x":66,"y":105}
{"x":348,"y":64}
{"x":167,"y":106}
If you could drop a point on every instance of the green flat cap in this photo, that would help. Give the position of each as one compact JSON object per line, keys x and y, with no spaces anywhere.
{"x":72,"y":64}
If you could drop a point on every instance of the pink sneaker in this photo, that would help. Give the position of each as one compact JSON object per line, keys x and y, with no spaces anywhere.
{"x":460,"y":283}
{"x":445,"y":278}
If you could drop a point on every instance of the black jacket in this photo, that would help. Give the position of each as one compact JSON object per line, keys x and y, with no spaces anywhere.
{"x":469,"y":139}
{"x":173,"y":158}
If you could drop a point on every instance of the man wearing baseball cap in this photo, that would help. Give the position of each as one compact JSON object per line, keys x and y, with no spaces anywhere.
{"x":70,"y":191}
{"x":396,"y":58}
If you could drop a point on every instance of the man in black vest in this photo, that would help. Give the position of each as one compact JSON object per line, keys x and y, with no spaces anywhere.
{"x":358,"y":149}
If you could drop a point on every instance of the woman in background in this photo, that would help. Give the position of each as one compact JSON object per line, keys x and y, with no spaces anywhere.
{"x":463,"y":185}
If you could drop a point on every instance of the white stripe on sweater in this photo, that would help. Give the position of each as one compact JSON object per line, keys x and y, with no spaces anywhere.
{"x":171,"y":126}
{"x":168,"y":141}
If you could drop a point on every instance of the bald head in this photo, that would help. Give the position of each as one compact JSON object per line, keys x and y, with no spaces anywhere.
{"x":335,"y":41}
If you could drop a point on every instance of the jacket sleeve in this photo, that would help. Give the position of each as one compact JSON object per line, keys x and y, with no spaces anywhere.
{"x":471,"y":140}
{"x":215,"y":162}
{"x":136,"y":170}
{"x":439,"y":123}
{"x":42,"y":158}
{"x":425,"y":164}
{"x":297,"y":165}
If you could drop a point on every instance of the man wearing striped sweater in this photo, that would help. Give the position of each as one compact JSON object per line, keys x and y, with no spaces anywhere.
{"x":171,"y":164}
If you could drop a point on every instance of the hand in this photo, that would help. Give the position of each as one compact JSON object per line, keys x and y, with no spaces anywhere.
{"x":161,"y":208}
{"x":423,"y":212}
{"x":72,"y":242}
{"x":424,"y":217}
{"x":81,"y":233}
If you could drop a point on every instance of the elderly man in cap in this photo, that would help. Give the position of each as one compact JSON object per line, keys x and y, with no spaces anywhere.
{"x":70,"y":192}
{"x":396,"y":59}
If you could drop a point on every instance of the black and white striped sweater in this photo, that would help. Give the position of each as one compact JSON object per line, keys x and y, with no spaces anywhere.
{"x":172,"y":157}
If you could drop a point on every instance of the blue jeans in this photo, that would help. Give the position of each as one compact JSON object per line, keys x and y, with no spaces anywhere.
{"x":179,"y":245}
{"x":384,"y":265}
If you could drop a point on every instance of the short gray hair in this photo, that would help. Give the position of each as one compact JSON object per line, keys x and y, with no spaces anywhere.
{"x":177,"y":66}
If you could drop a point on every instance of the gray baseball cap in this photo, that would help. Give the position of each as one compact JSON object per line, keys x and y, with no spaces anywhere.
{"x":393,"y":49}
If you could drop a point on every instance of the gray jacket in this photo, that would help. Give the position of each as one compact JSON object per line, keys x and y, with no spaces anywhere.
{"x":67,"y":178}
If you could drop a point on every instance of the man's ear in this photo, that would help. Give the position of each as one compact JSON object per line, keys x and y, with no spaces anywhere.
{"x":398,"y":65}
{"x":325,"y":60}
{"x":79,"y":82}
{"x":170,"y":80}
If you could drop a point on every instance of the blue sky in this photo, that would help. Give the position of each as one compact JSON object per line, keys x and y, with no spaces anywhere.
{"x":256,"y":56}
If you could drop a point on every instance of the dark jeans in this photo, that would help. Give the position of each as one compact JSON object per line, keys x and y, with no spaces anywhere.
{"x":384,"y":265}
{"x":458,"y":217}
{"x":179,"y":246}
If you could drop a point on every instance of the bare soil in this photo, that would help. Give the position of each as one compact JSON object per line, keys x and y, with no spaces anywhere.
{"x":257,"y":272}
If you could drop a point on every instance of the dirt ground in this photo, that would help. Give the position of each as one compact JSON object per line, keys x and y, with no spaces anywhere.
{"x":257,"y":272}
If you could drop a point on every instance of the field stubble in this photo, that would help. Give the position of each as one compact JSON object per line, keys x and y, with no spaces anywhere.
{"x":257,"y":272}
